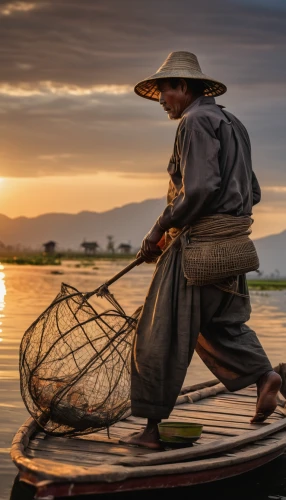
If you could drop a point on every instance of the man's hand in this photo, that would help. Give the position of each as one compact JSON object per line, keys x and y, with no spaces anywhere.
{"x":152,"y":243}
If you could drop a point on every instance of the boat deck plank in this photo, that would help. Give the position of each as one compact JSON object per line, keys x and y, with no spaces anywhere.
{"x":84,"y":459}
{"x":221,"y":417}
{"x":228,"y":444}
{"x":225,"y":408}
{"x":210,"y":423}
{"x":73,"y":445}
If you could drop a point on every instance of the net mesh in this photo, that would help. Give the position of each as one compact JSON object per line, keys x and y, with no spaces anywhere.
{"x":75,"y":364}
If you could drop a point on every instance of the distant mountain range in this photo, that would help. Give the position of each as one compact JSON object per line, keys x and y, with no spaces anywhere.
{"x":272,"y":254}
{"x":127,"y":224}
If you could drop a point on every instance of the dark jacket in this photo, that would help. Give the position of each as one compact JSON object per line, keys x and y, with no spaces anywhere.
{"x":210,"y":168}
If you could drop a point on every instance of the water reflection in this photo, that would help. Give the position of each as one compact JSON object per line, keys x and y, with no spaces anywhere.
{"x":2,"y":296}
{"x":2,"y":300}
{"x":2,"y":291}
{"x":25,"y":292}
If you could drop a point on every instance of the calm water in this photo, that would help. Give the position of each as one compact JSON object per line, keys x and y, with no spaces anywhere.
{"x":26,"y":291}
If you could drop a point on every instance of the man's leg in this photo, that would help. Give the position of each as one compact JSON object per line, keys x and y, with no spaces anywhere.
{"x":148,"y":437}
{"x":232,"y":351}
{"x":165,"y":340}
{"x":268,"y":386}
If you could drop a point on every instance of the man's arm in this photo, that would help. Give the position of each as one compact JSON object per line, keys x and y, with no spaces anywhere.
{"x":199,"y":155}
{"x":256,"y":191}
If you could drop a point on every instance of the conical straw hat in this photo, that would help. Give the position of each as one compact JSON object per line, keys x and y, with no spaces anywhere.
{"x":179,"y":65}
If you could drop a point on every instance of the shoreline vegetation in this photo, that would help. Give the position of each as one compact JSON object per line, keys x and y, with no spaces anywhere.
{"x":56,"y":259}
{"x":267,"y":284}
{"x":84,"y":260}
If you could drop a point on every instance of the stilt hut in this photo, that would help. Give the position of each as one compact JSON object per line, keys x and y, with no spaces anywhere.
{"x":49,"y":247}
{"x":124,"y":248}
{"x":90,"y":247}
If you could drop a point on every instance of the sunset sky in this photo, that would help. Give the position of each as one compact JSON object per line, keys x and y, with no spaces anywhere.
{"x":74,"y":136}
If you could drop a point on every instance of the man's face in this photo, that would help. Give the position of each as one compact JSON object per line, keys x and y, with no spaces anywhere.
{"x":174,"y":101}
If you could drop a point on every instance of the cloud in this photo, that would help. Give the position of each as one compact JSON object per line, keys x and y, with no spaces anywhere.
{"x":53,"y":88}
{"x":10,"y":8}
{"x":273,"y":198}
{"x":275,"y":189}
{"x":62,"y":156}
{"x":69,"y":68}
{"x":120,"y":42}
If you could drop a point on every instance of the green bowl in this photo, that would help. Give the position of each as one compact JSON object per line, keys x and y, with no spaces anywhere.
{"x":179,"y":431}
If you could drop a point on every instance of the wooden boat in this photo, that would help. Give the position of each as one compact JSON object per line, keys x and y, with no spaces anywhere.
{"x":93,"y":464}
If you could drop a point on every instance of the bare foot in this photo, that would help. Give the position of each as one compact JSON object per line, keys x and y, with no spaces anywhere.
{"x":267,"y":388}
{"x":147,"y":438}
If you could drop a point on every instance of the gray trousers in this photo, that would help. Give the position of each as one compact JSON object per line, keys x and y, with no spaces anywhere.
{"x":177,"y":319}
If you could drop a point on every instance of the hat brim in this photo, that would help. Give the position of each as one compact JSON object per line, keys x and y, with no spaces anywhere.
{"x":148,"y":88}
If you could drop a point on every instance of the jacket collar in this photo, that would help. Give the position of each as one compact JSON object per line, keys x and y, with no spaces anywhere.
{"x":198,"y":102}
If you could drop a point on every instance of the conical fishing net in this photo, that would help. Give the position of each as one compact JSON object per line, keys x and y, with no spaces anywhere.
{"x":75,"y":363}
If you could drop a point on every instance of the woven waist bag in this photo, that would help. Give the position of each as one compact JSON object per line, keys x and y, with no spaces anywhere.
{"x":209,"y":258}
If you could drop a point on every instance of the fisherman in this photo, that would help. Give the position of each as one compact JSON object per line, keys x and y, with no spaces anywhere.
{"x":212,"y":189}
